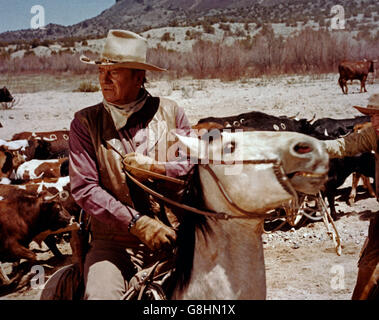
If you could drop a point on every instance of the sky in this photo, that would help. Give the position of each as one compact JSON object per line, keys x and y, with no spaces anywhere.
{"x":16,"y":14}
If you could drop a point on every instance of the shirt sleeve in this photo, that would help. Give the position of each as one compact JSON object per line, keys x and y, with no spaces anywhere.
{"x":353,"y":144}
{"x":182,"y":165}
{"x":84,"y":181}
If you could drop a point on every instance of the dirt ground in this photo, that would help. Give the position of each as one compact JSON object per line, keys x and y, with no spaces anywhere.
{"x":301,"y":263}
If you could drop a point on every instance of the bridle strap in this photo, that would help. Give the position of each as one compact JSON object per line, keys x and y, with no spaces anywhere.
{"x":154,"y":174}
{"x":279,"y":173}
{"x":156,"y":194}
{"x":213,"y":214}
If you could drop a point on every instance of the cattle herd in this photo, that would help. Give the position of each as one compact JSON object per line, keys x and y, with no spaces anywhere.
{"x":35,"y":193}
{"x":322,"y":129}
{"x":34,"y":171}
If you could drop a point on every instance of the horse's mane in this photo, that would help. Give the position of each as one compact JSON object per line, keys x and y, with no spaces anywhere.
{"x":189,"y":223}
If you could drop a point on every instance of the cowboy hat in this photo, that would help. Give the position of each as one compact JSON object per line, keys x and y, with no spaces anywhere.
{"x":124,"y":49}
{"x":372,"y":106}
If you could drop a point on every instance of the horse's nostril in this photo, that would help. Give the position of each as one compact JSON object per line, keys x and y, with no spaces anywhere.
{"x":303,"y":148}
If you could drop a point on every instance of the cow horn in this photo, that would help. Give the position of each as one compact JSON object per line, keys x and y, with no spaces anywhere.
{"x":313,"y":119}
{"x":344,"y":135}
{"x":50,"y":198}
{"x":53,"y":137}
{"x":294,"y":117}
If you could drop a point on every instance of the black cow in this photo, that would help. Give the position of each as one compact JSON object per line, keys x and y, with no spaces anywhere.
{"x":5,"y":95}
{"x":340,"y":169}
{"x":323,"y":128}
{"x":329,"y":128}
{"x":256,"y":120}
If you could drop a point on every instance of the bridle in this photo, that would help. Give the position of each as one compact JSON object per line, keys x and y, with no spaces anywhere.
{"x":278,"y":171}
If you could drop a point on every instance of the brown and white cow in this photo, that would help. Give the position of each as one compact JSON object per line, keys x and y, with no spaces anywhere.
{"x":36,"y":169}
{"x":25,"y":213}
{"x":14,"y":153}
{"x":59,"y":188}
{"x":58,"y":141}
{"x":55,"y":186}
{"x":350,"y":70}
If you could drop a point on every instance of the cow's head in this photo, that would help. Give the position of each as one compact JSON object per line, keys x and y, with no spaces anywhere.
{"x":37,"y":149}
{"x":6,"y":163}
{"x":64,"y":170}
{"x":52,"y":215}
{"x":5,"y":95}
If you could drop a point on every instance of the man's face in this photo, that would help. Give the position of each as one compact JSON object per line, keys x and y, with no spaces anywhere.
{"x":119,"y":85}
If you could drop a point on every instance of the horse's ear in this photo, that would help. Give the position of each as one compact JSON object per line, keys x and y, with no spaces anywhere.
{"x":193,"y":147}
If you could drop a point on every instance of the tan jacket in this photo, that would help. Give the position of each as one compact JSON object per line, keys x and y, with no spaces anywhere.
{"x":355,"y":143}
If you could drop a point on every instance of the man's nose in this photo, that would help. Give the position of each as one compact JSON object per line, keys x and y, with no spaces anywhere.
{"x":104,"y":77}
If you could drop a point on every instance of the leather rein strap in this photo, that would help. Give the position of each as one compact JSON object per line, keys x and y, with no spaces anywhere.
{"x":278,"y":170}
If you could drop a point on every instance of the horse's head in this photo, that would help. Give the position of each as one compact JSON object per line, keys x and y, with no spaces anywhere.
{"x":257,"y":171}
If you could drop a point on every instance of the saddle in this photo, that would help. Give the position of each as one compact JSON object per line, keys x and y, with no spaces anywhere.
{"x":67,"y":283}
{"x":148,"y":284}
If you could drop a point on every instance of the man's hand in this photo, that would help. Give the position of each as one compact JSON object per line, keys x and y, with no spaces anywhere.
{"x":153,"y":233}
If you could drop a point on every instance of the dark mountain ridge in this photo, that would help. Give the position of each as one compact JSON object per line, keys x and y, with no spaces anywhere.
{"x":141,"y":15}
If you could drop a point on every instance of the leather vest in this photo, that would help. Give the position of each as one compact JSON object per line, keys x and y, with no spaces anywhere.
{"x":110,"y":152}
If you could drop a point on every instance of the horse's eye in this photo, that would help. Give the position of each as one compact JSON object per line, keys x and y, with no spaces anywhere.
{"x":229,"y":148}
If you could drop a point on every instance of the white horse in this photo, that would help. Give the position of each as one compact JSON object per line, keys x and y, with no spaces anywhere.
{"x":248,"y":173}
{"x":240,"y":177}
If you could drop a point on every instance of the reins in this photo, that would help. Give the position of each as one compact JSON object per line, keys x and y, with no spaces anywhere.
{"x":277,"y":168}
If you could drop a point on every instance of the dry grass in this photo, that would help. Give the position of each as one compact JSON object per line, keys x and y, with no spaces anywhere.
{"x":309,"y":52}
{"x":35,"y":82}
{"x":87,"y":86}
{"x":56,"y":63}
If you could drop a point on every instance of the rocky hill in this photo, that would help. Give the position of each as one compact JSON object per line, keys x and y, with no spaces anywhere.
{"x":142,"y":15}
